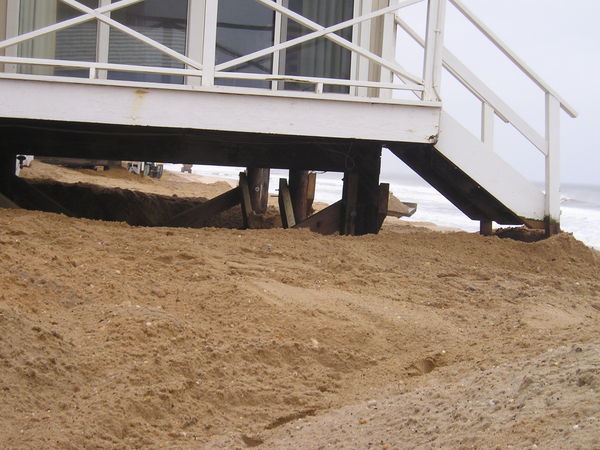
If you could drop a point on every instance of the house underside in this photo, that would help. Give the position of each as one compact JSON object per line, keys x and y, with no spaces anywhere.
{"x":263,"y":84}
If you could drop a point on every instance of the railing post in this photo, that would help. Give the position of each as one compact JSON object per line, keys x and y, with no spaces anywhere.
{"x":279,"y":33}
{"x":487,"y":125}
{"x":552,"y":206}
{"x":365,"y":42}
{"x":102,"y":37}
{"x":195,"y":35}
{"x":388,"y":48}
{"x":210,"y":43}
{"x":434,"y":46}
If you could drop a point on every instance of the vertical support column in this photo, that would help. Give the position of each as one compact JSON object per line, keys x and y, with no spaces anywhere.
{"x":552,"y":206}
{"x":485,"y":228}
{"x":487,"y":126}
{"x":361,"y":192}
{"x":350,"y":202}
{"x":434,"y":45}
{"x":311,"y":191}
{"x":299,"y":193}
{"x":210,"y":42}
{"x":384,"y":199}
{"x":102,"y":42}
{"x":245,"y":201}
{"x":258,"y":183}
{"x":8,"y":166}
{"x":388,"y":49}
{"x":195,"y":35}
{"x":285,"y":205}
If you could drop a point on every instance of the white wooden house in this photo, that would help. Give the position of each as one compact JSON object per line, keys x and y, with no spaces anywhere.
{"x":298,"y":84}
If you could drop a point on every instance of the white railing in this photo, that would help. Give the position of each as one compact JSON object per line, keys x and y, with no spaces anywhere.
{"x":492,"y":104}
{"x":201,"y":67}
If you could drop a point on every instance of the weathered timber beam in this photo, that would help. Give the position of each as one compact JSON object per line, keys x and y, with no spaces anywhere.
{"x":350,"y":201}
{"x":485,"y":227}
{"x":192,"y":217}
{"x":327,"y":221}
{"x":258,"y":183}
{"x":311,"y":190}
{"x":285,"y":205}
{"x":118,"y":142}
{"x":245,"y":199}
{"x":299,"y":193}
{"x":384,"y":198}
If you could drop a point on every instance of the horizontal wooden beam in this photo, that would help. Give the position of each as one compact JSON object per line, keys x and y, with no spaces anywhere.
{"x":117,"y":142}
{"x":196,"y":216}
{"x":327,"y":221}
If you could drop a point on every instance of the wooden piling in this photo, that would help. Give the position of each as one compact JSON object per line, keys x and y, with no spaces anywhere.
{"x":285,"y":205}
{"x":361,"y":194}
{"x":245,"y":199}
{"x":298,"y":184}
{"x":8,"y":167}
{"x":258,"y":185}
{"x":485,"y":227}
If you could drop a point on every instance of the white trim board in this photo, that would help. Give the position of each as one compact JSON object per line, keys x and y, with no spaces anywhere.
{"x":210,"y":110}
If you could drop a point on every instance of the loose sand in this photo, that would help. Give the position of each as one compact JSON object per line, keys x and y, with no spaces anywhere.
{"x":119,"y":336}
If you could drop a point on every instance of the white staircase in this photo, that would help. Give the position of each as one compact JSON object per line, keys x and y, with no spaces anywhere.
{"x":489,"y":170}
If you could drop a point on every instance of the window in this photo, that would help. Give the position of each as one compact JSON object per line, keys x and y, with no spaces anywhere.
{"x":163,"y":21}
{"x":244,"y":27}
{"x":320,"y":57}
{"x":76,"y":43}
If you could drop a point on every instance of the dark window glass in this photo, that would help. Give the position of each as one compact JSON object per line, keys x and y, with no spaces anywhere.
{"x":161,"y":20}
{"x":76,"y":43}
{"x":319,"y":57}
{"x":244,"y":27}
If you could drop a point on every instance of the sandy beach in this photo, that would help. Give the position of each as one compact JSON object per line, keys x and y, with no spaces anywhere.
{"x":116,"y":336}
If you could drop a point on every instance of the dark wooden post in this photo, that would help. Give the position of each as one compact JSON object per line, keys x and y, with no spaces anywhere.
{"x":299,"y":193}
{"x":350,"y":202}
{"x":245,"y":199}
{"x":384,"y":199}
{"x":8,"y":167}
{"x":361,"y":191}
{"x":551,"y":227}
{"x":285,"y":205}
{"x":258,"y":183}
{"x":312,"y":188}
{"x":485,"y":227}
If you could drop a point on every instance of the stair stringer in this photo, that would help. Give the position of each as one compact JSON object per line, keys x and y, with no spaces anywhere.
{"x":489,"y":170}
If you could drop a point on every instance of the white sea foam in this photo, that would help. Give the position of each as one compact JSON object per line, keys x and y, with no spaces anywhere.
{"x":580,"y":207}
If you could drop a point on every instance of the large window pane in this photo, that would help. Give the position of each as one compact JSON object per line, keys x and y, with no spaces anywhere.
{"x":319,"y":57}
{"x":160,"y":20}
{"x":244,"y":27}
{"x":76,"y":43}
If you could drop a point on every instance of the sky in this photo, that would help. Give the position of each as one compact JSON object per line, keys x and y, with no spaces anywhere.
{"x":560,"y":41}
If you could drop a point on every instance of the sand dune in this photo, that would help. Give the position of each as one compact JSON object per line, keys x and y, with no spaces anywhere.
{"x":120,"y":336}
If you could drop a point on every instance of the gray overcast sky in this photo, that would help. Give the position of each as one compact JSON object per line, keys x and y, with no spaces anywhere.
{"x":560,"y":41}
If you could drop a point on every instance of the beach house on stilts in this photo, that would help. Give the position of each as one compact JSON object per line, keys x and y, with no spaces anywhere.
{"x":295,"y":84}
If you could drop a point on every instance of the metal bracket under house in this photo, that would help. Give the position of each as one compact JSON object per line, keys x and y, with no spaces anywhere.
{"x":295,"y":84}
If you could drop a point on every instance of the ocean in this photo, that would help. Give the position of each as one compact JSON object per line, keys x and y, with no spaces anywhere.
{"x":580,"y":204}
